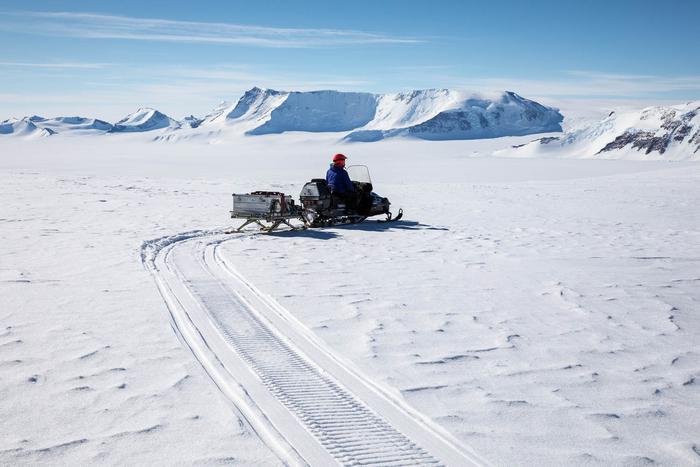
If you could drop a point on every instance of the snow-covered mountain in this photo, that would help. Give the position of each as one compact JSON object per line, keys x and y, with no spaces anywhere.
{"x":145,"y":119}
{"x":432,"y":114}
{"x":191,"y":122}
{"x":320,"y":111}
{"x":23,"y":127}
{"x":445,"y":114}
{"x":671,"y":132}
{"x":252,"y":109}
{"x":435,"y":114}
{"x":71,"y":124}
{"x":402,"y":110}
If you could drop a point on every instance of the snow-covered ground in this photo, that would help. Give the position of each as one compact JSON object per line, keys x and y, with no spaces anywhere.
{"x":543,"y":311}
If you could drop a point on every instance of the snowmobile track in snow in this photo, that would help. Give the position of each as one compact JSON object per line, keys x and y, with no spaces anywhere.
{"x":304,"y":402}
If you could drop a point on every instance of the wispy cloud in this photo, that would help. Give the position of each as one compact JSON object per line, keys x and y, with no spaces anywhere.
{"x":99,"y":26}
{"x":119,"y":88}
{"x":636,"y":83}
{"x":52,"y":65}
{"x":586,"y":84}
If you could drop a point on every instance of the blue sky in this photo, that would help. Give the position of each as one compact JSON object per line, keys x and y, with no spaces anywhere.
{"x":105,"y":59}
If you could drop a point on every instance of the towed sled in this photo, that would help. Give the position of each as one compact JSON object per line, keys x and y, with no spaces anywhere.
{"x":317,"y":206}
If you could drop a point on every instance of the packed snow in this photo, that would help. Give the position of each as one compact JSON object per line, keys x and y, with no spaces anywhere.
{"x":543,"y":311}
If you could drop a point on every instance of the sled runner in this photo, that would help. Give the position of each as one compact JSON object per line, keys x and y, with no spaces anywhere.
{"x":267,"y":209}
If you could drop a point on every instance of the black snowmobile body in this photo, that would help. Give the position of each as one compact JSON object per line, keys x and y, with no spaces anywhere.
{"x":321,"y":207}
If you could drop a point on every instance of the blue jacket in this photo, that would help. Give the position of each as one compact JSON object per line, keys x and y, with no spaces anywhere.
{"x":339,"y":180}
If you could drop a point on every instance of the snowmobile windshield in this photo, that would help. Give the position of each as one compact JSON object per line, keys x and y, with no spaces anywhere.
{"x":359,"y":173}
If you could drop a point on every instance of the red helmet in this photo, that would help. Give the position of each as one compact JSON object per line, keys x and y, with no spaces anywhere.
{"x":339,"y":157}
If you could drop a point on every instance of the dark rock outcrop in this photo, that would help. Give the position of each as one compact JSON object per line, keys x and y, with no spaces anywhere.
{"x":674,"y":128}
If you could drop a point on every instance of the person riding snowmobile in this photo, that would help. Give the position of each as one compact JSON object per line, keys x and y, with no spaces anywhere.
{"x":339,"y":181}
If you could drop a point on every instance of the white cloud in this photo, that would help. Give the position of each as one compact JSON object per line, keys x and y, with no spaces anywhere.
{"x":98,"y":26}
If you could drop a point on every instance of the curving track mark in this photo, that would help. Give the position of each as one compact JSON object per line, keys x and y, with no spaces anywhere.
{"x":307,"y":404}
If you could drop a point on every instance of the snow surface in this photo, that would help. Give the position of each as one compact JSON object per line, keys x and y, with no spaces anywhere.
{"x":309,"y":405}
{"x":543,"y":311}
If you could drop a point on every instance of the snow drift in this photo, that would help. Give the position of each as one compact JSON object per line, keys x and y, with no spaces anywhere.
{"x":661,"y":132}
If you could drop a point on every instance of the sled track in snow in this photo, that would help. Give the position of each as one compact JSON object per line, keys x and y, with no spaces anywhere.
{"x":304,"y":402}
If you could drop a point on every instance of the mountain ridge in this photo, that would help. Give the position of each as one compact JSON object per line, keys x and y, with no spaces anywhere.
{"x":424,"y":113}
{"x":671,"y":132}
{"x":267,"y":111}
{"x":429,"y":114}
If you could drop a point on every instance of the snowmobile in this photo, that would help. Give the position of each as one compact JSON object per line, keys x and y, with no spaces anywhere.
{"x":318,"y":207}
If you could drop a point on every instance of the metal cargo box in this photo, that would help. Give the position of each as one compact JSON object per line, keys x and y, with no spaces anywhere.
{"x":262,"y":204}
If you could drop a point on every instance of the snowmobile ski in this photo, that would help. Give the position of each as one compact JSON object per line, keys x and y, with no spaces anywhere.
{"x":389,"y":217}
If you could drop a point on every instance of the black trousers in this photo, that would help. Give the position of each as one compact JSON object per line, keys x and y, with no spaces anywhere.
{"x":348,"y":198}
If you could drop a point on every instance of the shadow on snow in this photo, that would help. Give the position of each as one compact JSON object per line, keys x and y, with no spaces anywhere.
{"x":325,"y":233}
